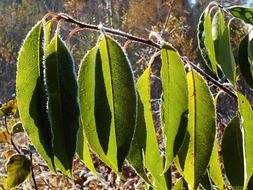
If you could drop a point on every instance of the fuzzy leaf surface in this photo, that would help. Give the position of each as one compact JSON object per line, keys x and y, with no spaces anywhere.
{"x":151,"y":149}
{"x":246,"y":113}
{"x":31,"y":95}
{"x":175,"y":92}
{"x":117,"y":96}
{"x":196,"y":150}
{"x":63,"y":108}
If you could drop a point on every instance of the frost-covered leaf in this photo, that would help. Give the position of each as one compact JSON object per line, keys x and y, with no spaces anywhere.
{"x":31,"y":95}
{"x":63,"y":108}
{"x":175,"y":92}
{"x":195,"y":152}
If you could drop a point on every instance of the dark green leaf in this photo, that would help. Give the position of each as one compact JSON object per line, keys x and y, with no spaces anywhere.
{"x":63,"y":108}
{"x":19,"y":168}
{"x":246,"y":14}
{"x":243,"y":61}
{"x":138,"y":145}
{"x":232,"y":152}
{"x":206,"y":182}
{"x":175,"y":92}
{"x":195,"y":152}
{"x":31,"y":95}
{"x":17,"y":128}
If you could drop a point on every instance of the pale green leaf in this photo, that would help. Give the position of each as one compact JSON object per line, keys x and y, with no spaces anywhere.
{"x":195,"y":152}
{"x":205,"y":39}
{"x":31,"y":95}
{"x":215,"y":171}
{"x":247,"y":129}
{"x":175,"y":92}
{"x":180,"y":184}
{"x":152,"y":159}
{"x":83,"y":150}
{"x":48,"y":31}
{"x":63,"y":108}
{"x":217,"y":32}
{"x":232,"y":152}
{"x":19,"y":168}
{"x":226,"y":58}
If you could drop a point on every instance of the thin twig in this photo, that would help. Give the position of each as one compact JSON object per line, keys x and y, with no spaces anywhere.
{"x":69,"y":19}
{"x":33,"y":176}
{"x":167,"y":18}
{"x":12,"y":142}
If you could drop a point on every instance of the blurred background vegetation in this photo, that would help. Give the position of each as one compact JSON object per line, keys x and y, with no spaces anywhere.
{"x":138,"y":17}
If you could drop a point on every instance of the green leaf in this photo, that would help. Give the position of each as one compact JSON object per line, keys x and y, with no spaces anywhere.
{"x":205,"y":39}
{"x":63,"y":108}
{"x":135,"y":159}
{"x":250,"y":51}
{"x":87,"y":132}
{"x":150,"y":146}
{"x":227,"y":60}
{"x":206,"y":182}
{"x":17,"y":128}
{"x":194,"y":155}
{"x":243,"y":61}
{"x":175,"y":92}
{"x":232,"y":152}
{"x":138,"y":145}
{"x":19,"y":168}
{"x":246,"y":113}
{"x":180,"y":184}
{"x":31,"y":95}
{"x":83,"y":151}
{"x":215,"y":171}
{"x":217,"y":32}
{"x":250,"y":184}
{"x":115,"y":113}
{"x":90,"y":75}
{"x":48,"y":31}
{"x":245,"y":14}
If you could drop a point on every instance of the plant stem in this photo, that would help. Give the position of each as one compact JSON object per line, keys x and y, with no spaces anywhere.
{"x":33,"y":176}
{"x":12,"y":142}
{"x":81,"y":25}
